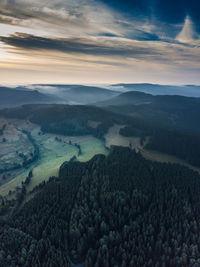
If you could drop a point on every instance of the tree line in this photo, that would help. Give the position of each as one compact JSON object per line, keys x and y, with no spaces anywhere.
{"x":119,"y":210}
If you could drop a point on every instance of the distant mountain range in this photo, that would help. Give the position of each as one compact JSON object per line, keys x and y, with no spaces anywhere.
{"x":77,"y":94}
{"x":87,"y":95}
{"x":128,"y":98}
{"x":140,"y":98}
{"x":171,"y":111}
{"x":67,"y":94}
{"x":157,"y":89}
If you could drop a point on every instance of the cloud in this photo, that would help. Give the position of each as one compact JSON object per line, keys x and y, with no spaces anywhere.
{"x":94,"y":17}
{"x":142,"y":35}
{"x":115,"y":51}
{"x":61,"y":18}
{"x":166,"y":15}
{"x":187,"y":34}
{"x":98,"y":47}
{"x":135,"y":35}
{"x":138,"y":20}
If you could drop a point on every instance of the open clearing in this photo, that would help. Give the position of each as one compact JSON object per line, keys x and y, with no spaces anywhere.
{"x":160,"y":157}
{"x":54,"y":150}
{"x":114,"y":138}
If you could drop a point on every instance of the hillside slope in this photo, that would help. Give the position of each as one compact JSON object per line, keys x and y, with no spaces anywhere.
{"x":15,"y":97}
{"x":71,"y":120}
{"x":128,"y":98}
{"x":78,"y":94}
{"x":159,"y":89}
{"x":173,"y":112}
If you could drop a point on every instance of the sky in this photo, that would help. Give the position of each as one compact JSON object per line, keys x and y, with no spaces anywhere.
{"x":99,"y":41}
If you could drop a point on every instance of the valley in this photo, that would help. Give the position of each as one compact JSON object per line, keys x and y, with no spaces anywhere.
{"x":54,"y":150}
{"x":79,"y":180}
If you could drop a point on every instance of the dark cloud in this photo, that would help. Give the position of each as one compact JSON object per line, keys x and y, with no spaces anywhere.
{"x":20,"y":13}
{"x":14,"y":12}
{"x":106,"y":34}
{"x":78,"y":45}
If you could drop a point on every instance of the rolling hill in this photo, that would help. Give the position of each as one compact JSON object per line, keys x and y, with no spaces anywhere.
{"x":173,"y":112}
{"x":10,"y":97}
{"x":73,"y":120}
{"x":158,"y":89}
{"x":128,"y":98}
{"x":77,"y":94}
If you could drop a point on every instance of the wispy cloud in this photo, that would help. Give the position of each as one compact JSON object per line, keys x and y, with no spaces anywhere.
{"x":60,"y":17}
{"x":99,"y":47}
{"x":128,"y":37}
{"x":188,"y":33}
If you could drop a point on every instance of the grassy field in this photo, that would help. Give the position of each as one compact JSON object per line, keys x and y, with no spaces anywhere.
{"x":161,"y":157}
{"x":54,"y":150}
{"x":113,"y":138}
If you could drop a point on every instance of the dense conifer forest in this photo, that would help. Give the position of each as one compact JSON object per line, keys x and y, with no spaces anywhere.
{"x":66,"y":119}
{"x":120,"y":210}
{"x":171,"y":112}
{"x":185,"y":146}
{"x":73,"y":121}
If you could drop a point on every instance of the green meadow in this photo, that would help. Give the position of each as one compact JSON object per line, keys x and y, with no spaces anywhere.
{"x":54,"y":150}
{"x":113,"y":138}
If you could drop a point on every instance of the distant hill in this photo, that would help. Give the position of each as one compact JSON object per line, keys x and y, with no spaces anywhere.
{"x":173,"y":112}
{"x":72,"y":120}
{"x":77,"y":94}
{"x":139,"y":98}
{"x":128,"y":98}
{"x":15,"y":97}
{"x":158,"y":89}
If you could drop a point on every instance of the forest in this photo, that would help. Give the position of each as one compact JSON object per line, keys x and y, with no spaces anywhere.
{"x":172,"y":112}
{"x":73,"y":121}
{"x":185,"y":146}
{"x":66,"y":119}
{"x":119,"y":210}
